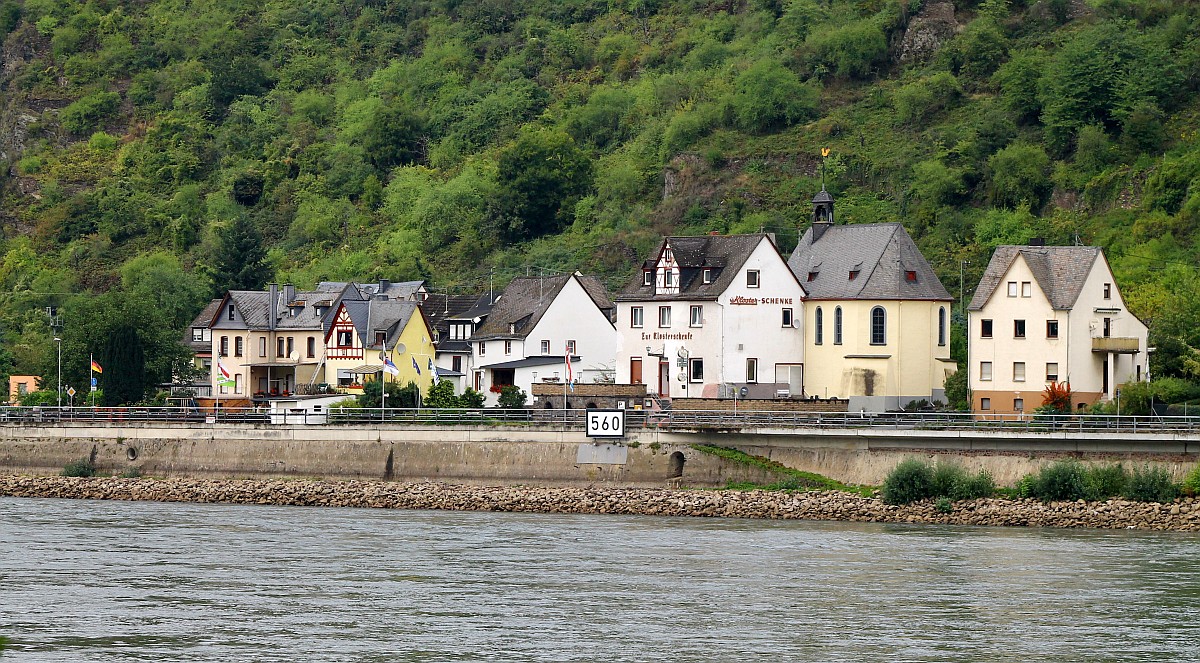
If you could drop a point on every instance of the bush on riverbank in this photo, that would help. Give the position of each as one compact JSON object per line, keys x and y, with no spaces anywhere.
{"x":80,"y":468}
{"x":790,"y":478}
{"x":914,"y":480}
{"x":1070,"y":480}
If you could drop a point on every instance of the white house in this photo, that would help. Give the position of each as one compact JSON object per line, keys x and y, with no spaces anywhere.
{"x":710,"y":313}
{"x":454,"y":319}
{"x":876,"y":316}
{"x":1045,"y":314}
{"x":534,"y":324}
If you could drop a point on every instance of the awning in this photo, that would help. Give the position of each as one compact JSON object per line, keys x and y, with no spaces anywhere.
{"x":448,"y":373}
{"x":343,"y":373}
{"x":271,"y":364}
{"x":366,"y":369}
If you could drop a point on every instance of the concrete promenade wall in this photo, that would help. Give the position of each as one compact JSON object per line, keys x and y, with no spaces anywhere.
{"x":514,"y":455}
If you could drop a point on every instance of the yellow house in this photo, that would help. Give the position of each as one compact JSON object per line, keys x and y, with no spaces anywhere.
{"x":877,"y":317}
{"x":365,"y":333}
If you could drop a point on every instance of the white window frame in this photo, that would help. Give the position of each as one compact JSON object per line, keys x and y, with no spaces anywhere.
{"x":664,"y":317}
{"x":789,"y":318}
{"x":706,"y":276}
{"x":1051,"y":374}
{"x":696,"y":316}
{"x":545,"y":346}
{"x":647,"y":277}
{"x":985,"y":371}
{"x":753,"y":278}
{"x":752,"y":369}
{"x":507,"y":346}
{"x":693,"y":363}
{"x":571,"y":348}
{"x":482,"y":348}
{"x":637,"y":317}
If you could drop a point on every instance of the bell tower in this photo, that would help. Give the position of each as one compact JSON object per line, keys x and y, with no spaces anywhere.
{"x":822,"y":213}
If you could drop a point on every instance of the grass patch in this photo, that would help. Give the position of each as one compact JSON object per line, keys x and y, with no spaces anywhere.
{"x":790,"y":479}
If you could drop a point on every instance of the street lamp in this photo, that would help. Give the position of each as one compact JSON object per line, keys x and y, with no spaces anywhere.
{"x":59,"y":342}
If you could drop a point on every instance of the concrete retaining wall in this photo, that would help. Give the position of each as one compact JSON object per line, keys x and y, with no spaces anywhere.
{"x":517,"y":455}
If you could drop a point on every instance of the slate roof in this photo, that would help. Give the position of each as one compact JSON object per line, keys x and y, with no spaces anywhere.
{"x":882,"y":253}
{"x":254,"y":307}
{"x":723,"y":254}
{"x":1060,"y":272}
{"x":387,"y":315}
{"x":440,"y":309}
{"x":536,"y":360}
{"x":204,"y":320}
{"x":406,"y":290}
{"x":523,"y":303}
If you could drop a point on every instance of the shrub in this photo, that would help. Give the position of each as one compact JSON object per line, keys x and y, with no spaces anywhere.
{"x":769,"y":95}
{"x":80,"y":468}
{"x":131,"y":473}
{"x":1191,"y":483}
{"x":1150,"y":484}
{"x":910,"y":481}
{"x":944,"y":505}
{"x":85,"y":113}
{"x":471,"y":399}
{"x":1104,"y":481}
{"x":947,"y":477}
{"x":976,"y":486}
{"x":1063,"y":480}
{"x":511,"y":396}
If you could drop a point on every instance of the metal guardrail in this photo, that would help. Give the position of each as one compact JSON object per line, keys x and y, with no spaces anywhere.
{"x":681,"y":420}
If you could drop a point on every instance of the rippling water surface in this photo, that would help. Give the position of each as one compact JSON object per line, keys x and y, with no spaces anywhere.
{"x":119,"y":581}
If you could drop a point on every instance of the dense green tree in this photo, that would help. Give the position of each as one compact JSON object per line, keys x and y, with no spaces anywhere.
{"x":240,"y":262}
{"x":768,"y":95}
{"x":511,"y":396}
{"x":392,"y":137}
{"x":1020,"y":174}
{"x":539,"y":178}
{"x":124,"y":362}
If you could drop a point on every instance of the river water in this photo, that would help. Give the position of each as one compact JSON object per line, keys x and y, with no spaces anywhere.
{"x":125,"y":581}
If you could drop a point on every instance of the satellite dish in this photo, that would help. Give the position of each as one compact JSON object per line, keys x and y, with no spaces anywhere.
{"x":382,"y":356}
{"x":681,"y":377}
{"x":400,"y":348}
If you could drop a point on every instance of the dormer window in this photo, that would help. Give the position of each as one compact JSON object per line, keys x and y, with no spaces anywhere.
{"x":853,"y":274}
{"x":380,"y":337}
{"x":668,"y":278}
{"x":910,"y":276}
{"x":706,"y":276}
{"x":812,"y":276}
{"x":647,"y":277}
{"x":231,"y":311}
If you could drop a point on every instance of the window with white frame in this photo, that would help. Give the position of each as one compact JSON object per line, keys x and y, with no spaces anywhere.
{"x":664,"y":316}
{"x":696,"y":316}
{"x":545,"y":346}
{"x":636,"y":317}
{"x":752,"y":278}
{"x":985,"y":371}
{"x":345,"y":338}
{"x":482,"y":348}
{"x":751,"y":369}
{"x":1018,"y":371}
{"x":788,"y":321}
{"x":706,"y":276}
{"x":507,"y":347}
{"x":696,"y":370}
{"x":197,"y":333}
{"x":647,"y":277}
{"x":1051,"y":371}
{"x":571,"y":347}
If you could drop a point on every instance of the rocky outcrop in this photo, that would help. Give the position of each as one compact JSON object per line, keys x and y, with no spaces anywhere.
{"x":928,"y":31}
{"x":1182,"y":515}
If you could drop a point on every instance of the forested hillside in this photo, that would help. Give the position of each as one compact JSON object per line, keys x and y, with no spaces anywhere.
{"x":156,"y":152}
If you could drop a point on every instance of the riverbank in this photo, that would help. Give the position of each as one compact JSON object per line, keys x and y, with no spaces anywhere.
{"x":1183,"y":515}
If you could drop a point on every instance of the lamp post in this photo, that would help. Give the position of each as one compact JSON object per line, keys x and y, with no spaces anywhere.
{"x":58,"y":341}
{"x":962,"y":304}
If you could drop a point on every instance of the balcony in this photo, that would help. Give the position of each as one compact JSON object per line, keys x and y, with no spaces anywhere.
{"x":1116,"y":344}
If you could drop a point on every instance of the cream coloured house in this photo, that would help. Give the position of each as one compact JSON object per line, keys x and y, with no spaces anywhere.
{"x":876,"y":316}
{"x":1045,"y":314}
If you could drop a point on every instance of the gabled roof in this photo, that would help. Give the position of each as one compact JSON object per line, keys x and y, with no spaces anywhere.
{"x":1060,"y":271}
{"x":204,"y":321}
{"x":523,"y":303}
{"x":387,"y":315}
{"x":406,"y":290}
{"x":440,"y":309}
{"x":724,"y":255}
{"x":880,"y":253}
{"x":314,"y":308}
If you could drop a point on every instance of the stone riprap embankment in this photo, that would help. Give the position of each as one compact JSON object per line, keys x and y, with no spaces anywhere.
{"x":1183,"y":515}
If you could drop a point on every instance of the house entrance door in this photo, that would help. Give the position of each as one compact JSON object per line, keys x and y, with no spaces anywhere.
{"x":664,"y":379}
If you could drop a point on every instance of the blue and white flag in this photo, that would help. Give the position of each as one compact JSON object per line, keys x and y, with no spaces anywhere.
{"x":416,"y":366}
{"x":389,"y":367}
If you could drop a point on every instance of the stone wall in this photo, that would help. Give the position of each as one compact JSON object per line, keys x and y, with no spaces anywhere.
{"x":550,"y":395}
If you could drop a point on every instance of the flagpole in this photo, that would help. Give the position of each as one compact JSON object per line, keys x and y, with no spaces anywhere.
{"x":92,"y":377}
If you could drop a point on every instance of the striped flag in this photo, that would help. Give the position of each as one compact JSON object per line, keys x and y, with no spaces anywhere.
{"x":570,"y":374}
{"x":224,"y":377}
{"x":96,"y":367}
{"x":416,"y":366}
{"x":389,"y":366}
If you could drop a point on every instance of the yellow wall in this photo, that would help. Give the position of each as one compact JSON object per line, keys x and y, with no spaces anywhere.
{"x":417,"y":345}
{"x":910,"y":365}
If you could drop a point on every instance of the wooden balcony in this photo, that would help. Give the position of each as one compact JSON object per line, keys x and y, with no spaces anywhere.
{"x":1116,"y":344}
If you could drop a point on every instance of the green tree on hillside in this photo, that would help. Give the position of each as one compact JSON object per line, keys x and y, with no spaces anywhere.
{"x":540,"y":177}
{"x":124,"y":362}
{"x":241,"y":261}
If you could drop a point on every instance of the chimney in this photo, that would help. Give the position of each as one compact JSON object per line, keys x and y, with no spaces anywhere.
{"x":384,"y":284}
{"x":1037,"y":241}
{"x":272,"y":305}
{"x":289,"y":293}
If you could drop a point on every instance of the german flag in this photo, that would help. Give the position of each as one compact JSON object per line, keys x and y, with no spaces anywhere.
{"x":96,"y":367}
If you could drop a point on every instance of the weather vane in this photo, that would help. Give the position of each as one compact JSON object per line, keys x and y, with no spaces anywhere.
{"x":824,"y":153}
